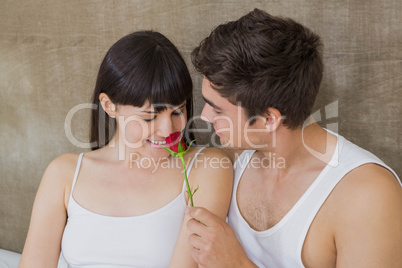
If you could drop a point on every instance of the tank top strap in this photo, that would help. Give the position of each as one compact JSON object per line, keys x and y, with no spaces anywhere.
{"x":190,"y":166}
{"x":193,"y":160}
{"x":77,"y":171}
{"x":240,"y":165}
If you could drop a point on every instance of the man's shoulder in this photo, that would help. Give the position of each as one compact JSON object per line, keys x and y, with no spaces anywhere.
{"x":364,"y":211}
{"x":351,"y":154}
{"x":364,"y":189}
{"x":370,"y":177}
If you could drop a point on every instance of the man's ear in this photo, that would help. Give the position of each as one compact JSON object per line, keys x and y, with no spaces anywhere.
{"x":273,"y":119}
{"x":108,"y":106}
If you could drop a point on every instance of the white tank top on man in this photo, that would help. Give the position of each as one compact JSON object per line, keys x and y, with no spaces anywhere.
{"x":281,"y":245}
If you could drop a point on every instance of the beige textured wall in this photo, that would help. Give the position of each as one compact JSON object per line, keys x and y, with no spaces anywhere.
{"x":50,"y":51}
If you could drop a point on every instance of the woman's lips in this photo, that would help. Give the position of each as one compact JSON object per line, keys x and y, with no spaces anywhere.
{"x":156,"y":146}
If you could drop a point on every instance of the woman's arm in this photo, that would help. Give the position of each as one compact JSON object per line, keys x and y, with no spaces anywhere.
{"x":43,"y":243}
{"x":212,"y":172}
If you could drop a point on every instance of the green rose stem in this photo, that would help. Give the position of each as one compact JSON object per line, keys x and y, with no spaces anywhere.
{"x":180,"y":153}
{"x":190,"y":195}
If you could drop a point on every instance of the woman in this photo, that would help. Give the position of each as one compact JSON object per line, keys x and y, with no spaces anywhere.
{"x":123,"y":203}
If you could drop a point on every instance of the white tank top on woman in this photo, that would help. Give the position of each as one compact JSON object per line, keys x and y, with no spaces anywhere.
{"x":92,"y":240}
{"x":281,"y":245}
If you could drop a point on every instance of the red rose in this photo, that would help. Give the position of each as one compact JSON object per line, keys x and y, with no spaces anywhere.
{"x":177,"y":148}
{"x":173,"y":142}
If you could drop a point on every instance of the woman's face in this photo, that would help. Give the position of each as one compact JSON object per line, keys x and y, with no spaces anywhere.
{"x":145,"y":130}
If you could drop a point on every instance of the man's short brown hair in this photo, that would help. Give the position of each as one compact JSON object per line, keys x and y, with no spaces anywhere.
{"x":263,"y":61}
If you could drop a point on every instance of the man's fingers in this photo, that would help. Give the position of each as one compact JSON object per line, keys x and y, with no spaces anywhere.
{"x":204,"y":216}
{"x":196,"y":227}
{"x":196,"y":242}
{"x":198,"y":257}
{"x":195,"y":254}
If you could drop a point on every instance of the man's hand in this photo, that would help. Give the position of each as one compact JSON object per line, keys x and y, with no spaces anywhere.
{"x":214,"y":242}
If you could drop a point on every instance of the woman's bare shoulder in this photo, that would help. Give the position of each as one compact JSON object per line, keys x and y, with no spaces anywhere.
{"x":233,"y":154}
{"x":62,"y":168}
{"x":210,"y":153}
{"x":212,"y":161}
{"x":65,"y":161}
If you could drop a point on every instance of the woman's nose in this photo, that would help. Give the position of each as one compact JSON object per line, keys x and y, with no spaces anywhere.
{"x":165,"y":127}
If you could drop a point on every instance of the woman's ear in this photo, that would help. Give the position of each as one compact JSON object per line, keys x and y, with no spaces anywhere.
{"x":273,"y":119}
{"x":108,"y":106}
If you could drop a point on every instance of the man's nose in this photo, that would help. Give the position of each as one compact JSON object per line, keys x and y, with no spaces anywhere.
{"x":206,"y":113}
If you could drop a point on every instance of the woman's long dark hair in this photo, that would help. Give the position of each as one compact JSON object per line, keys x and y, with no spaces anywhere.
{"x":142,"y":66}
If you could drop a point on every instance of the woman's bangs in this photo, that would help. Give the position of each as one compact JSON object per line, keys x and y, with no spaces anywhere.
{"x":171,"y":83}
{"x":162,"y":79}
{"x":169,"y":88}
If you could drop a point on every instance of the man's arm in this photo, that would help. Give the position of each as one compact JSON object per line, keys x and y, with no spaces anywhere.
{"x":368,"y":225}
{"x":214,"y":242}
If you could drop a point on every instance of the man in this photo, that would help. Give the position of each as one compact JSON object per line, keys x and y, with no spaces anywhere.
{"x":328,"y":203}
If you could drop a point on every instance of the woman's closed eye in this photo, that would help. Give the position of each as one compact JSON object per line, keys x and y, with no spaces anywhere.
{"x":149,"y":119}
{"x":177,"y":112}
